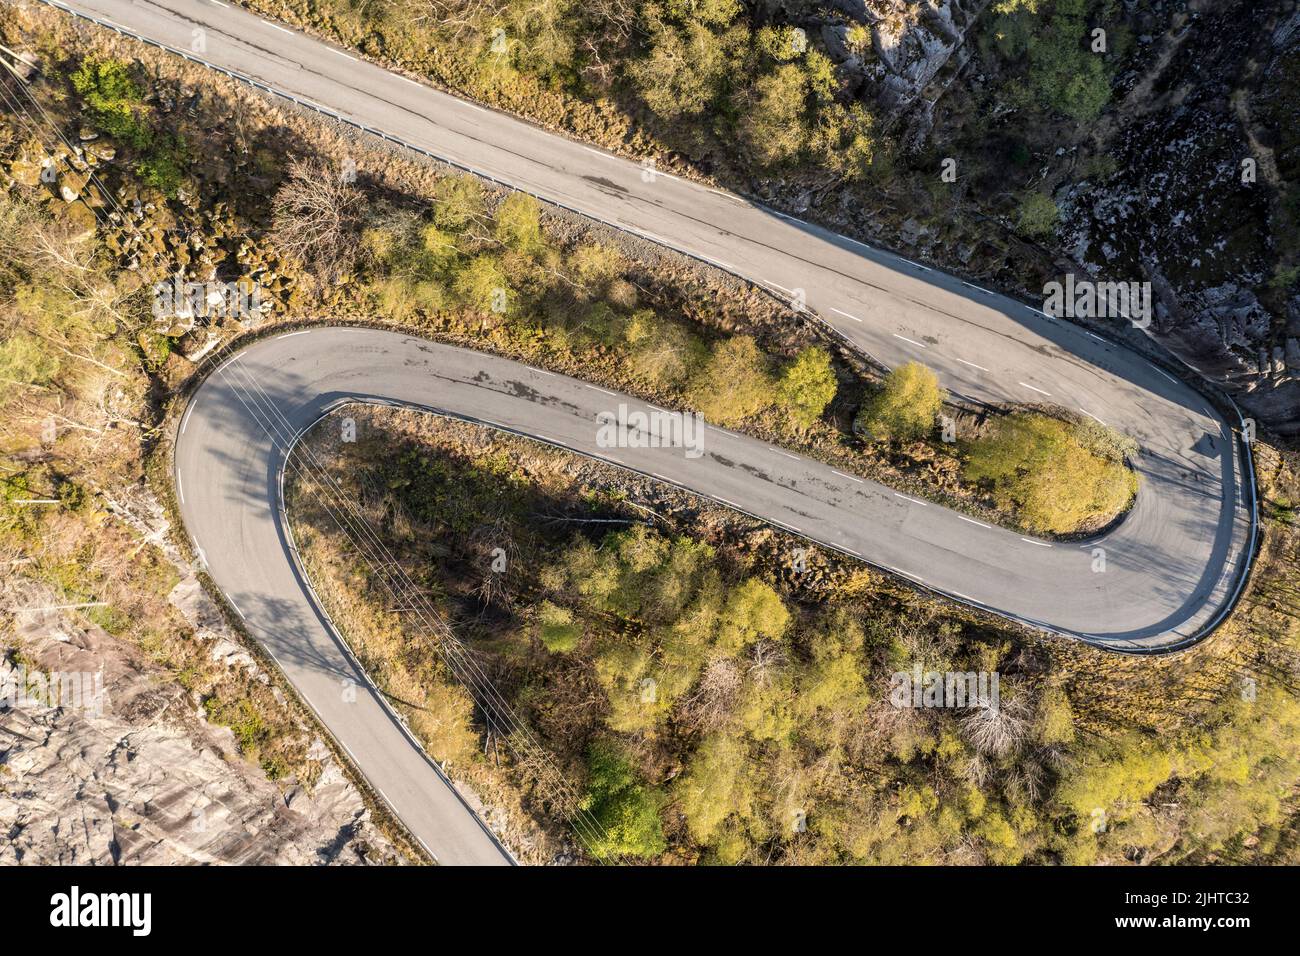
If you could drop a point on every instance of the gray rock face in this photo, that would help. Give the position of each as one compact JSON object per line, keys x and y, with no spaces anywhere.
{"x":1192,"y":206}
{"x":141,"y":779}
{"x":115,"y":763}
{"x":910,"y":41}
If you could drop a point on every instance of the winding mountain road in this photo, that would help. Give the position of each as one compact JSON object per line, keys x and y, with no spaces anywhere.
{"x":1172,"y":566}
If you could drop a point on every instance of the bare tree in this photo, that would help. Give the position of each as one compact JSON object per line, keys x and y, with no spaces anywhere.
{"x":317,"y":215}
{"x":998,"y":730}
{"x":766,"y":658}
{"x":494,"y":546}
{"x":715,"y":696}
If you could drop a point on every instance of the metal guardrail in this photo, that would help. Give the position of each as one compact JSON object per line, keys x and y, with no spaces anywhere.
{"x":1247,"y":458}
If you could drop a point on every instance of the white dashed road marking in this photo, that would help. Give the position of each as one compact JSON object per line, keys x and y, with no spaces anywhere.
{"x":920,"y":345}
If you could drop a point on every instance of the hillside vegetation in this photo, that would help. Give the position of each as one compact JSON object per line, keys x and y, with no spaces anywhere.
{"x":719,"y":692}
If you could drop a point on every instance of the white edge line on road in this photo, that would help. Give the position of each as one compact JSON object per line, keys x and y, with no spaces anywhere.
{"x":919,"y":345}
{"x":278,"y":27}
{"x":1041,"y":544}
{"x":849,"y":477}
{"x":186,"y":420}
{"x":657,"y":240}
{"x":473,"y":106}
{"x":972,"y":365}
{"x":906,"y":498}
{"x":595,"y":388}
{"x":288,"y":334}
{"x":973,"y":521}
{"x":235,"y":606}
{"x":346,"y":56}
{"x":1093,"y":417}
{"x":791,"y":218}
{"x":846,"y":315}
{"x":1038,"y":390}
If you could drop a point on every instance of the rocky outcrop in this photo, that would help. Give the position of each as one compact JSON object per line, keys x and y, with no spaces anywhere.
{"x":105,"y":757}
{"x":893,"y":49}
{"x":139,"y":777}
{"x":1197,"y":203}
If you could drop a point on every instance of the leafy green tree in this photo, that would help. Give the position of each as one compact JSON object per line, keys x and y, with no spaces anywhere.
{"x":833,"y":680}
{"x":458,"y":202}
{"x":714,"y":13}
{"x":1063,"y":72}
{"x":113,"y":100}
{"x":1055,"y":718}
{"x":808,"y":385}
{"x":753,"y":611}
{"x":632,"y":681}
{"x":557,"y":629}
{"x":1000,"y":839}
{"x":780,"y":43}
{"x":437,"y":253}
{"x":482,"y":285}
{"x":684,"y":70}
{"x":664,"y":352}
{"x":1037,"y":216}
{"x":774,"y":125}
{"x":734,"y":384}
{"x":1038,"y":465}
{"x":766,"y":711}
{"x":904,"y":407}
{"x":518,"y":222}
{"x":624,"y":810}
{"x":717,"y":784}
{"x":844,"y":140}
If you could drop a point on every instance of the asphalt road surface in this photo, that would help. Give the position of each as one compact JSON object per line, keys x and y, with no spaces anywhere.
{"x":1171,"y":565}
